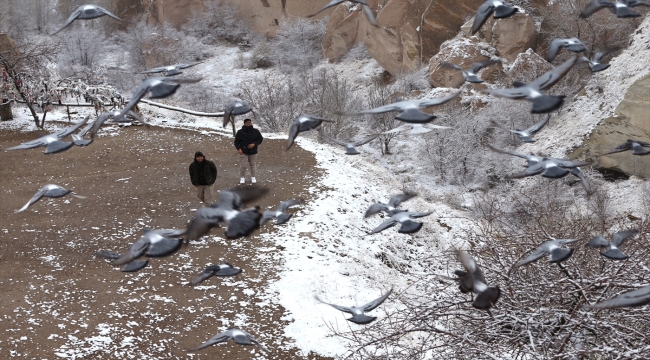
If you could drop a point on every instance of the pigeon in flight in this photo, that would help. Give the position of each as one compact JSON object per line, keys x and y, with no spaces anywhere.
{"x":472,"y":280}
{"x":350,"y":146}
{"x":237,"y":107}
{"x":52,"y":141}
{"x":112,"y":115}
{"x":390,"y":208}
{"x":153,"y":243}
{"x":171,"y":70}
{"x":525,"y":135}
{"x":408,"y":226}
{"x":612,"y":248}
{"x":471,"y":75}
{"x":241,"y":337}
{"x":636,"y":146}
{"x":49,"y":190}
{"x":417,"y":128}
{"x":638,"y":297}
{"x":572,"y":44}
{"x":500,"y":9}
{"x":551,"y":247}
{"x":358,"y":312}
{"x":225,"y":269}
{"x":228,"y":211}
{"x":78,"y":139}
{"x":279,"y":214}
{"x":620,"y":8}
{"x":303,"y":123}
{"x":87,"y":12}
{"x":409,"y":109}
{"x":595,"y":63}
{"x":364,"y":6}
{"x":533,"y":92}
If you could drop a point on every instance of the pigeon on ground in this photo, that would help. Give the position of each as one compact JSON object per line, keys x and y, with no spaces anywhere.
{"x":471,"y":75}
{"x":279,"y":214}
{"x":358,"y":312}
{"x":572,"y":44}
{"x":49,"y":190}
{"x":594,"y":64}
{"x":533,"y":92}
{"x":350,"y":146}
{"x":638,"y":297}
{"x":225,"y":269}
{"x":500,"y":8}
{"x":417,"y":128}
{"x":525,"y":135}
{"x":241,"y":337}
{"x":636,"y":146}
{"x":87,"y":12}
{"x":366,"y":9}
{"x":551,"y":247}
{"x":52,"y":141}
{"x":390,"y":208}
{"x":612,"y":248}
{"x":237,"y":107}
{"x":408,"y":226}
{"x":153,"y":243}
{"x":112,"y":115}
{"x":472,"y":280}
{"x":171,"y":70}
{"x":228,"y":211}
{"x":409,"y":109}
{"x":620,"y":8}
{"x":303,"y":123}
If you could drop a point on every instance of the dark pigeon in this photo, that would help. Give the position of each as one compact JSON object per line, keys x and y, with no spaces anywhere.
{"x":279,"y":214}
{"x":225,"y":269}
{"x":612,"y":250}
{"x":500,"y":9}
{"x":303,"y":123}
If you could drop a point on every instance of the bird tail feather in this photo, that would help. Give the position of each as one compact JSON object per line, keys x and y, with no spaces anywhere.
{"x":546,"y":103}
{"x":559,"y":254}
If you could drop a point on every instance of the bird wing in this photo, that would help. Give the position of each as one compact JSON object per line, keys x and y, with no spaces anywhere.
{"x":185,"y":66}
{"x":531,"y":170}
{"x":597,"y":241}
{"x":537,"y":254}
{"x":556,"y":44}
{"x":244,"y":223}
{"x":254,"y":341}
{"x":620,"y":148}
{"x":594,"y":6}
{"x":468,"y":262}
{"x":39,"y":194}
{"x":135,"y":251}
{"x":622,"y":236}
{"x":396,"y":200}
{"x":507,"y":152}
{"x":432,"y":102}
{"x":380,"y":110}
{"x":288,"y":203}
{"x":535,"y":128}
{"x":510,"y":93}
{"x":337,"y":307}
{"x":568,"y":163}
{"x":106,"y":12}
{"x":329,"y":5}
{"x":337,"y":141}
{"x":500,"y":126}
{"x":451,"y":66}
{"x":293,"y":132}
{"x":375,"y":208}
{"x":365,"y":140}
{"x":599,"y":55}
{"x":69,"y":130}
{"x":385,"y":225}
{"x":633,"y":298}
{"x":75,"y":14}
{"x":155,"y":70}
{"x":414,"y":215}
{"x":482,"y":15}
{"x":373,"y":304}
{"x":477,"y":66}
{"x":236,"y":197}
{"x":29,"y":145}
{"x":204,"y":275}
{"x":552,"y":76}
{"x":219,"y":338}
{"x":399,"y":129}
{"x":369,"y":14}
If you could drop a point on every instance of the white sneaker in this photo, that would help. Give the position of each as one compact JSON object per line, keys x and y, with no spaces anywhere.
{"x":242,"y":180}
{"x":253,"y":181}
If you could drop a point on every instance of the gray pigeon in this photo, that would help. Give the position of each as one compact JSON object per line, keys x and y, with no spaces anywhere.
{"x":52,"y":141}
{"x":500,"y":9}
{"x":391,"y":207}
{"x":241,"y":337}
{"x":409,"y":109}
{"x":636,"y":146}
{"x":632,"y":298}
{"x":171,"y":70}
{"x":572,"y":44}
{"x":87,"y":12}
{"x":408,"y":226}
{"x":279,"y":214}
{"x":417,"y":128}
{"x":350,"y":146}
{"x":612,"y":248}
{"x":366,"y":9}
{"x":533,"y":92}
{"x":525,"y":135}
{"x":303,"y":123}
{"x":358,"y":312}
{"x":49,"y":190}
{"x":78,"y":139}
{"x":225,"y":269}
{"x":553,"y":248}
{"x":620,"y":8}
{"x":595,"y":63}
{"x":471,"y":75}
{"x":112,"y":115}
{"x":472,"y":279}
{"x":237,"y":107}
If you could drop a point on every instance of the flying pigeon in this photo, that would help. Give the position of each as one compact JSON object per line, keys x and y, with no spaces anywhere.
{"x":225,"y":269}
{"x":241,"y":337}
{"x":409,"y":109}
{"x":112,"y":115}
{"x":237,"y":107}
{"x":350,"y":146}
{"x":577,"y":172}
{"x":416,"y":128}
{"x":471,"y":75}
{"x":636,"y":146}
{"x":364,"y":6}
{"x":408,"y":226}
{"x":620,"y":8}
{"x":87,"y":12}
{"x":390,"y":208}
{"x":52,"y":141}
{"x":533,"y":91}
{"x":552,"y":247}
{"x":78,"y":139}
{"x":171,"y":70}
{"x":153,"y":243}
{"x":472,"y":280}
{"x":612,"y":248}
{"x":303,"y":123}
{"x":632,"y":298}
{"x":594,"y":64}
{"x":546,"y":166}
{"x":228,"y":211}
{"x":358,"y":312}
{"x":500,"y":8}
{"x":525,"y":135}
{"x":572,"y":44}
{"x":49,"y":190}
{"x":278,"y":214}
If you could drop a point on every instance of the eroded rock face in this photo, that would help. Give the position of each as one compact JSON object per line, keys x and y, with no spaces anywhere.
{"x":527,"y":67}
{"x":346,"y":27}
{"x":154,"y":50}
{"x":509,"y":36}
{"x":462,"y":52}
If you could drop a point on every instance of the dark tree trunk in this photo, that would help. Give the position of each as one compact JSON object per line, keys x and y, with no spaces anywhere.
{"x":5,"y":110}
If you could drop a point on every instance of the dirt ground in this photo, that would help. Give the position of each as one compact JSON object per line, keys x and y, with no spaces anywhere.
{"x":60,"y":301}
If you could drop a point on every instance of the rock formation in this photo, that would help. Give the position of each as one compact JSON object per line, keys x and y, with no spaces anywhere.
{"x":509,"y":36}
{"x":462,"y":52}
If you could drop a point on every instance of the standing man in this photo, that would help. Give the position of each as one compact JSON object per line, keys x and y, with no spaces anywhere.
{"x":203,"y":174}
{"x":247,"y":140}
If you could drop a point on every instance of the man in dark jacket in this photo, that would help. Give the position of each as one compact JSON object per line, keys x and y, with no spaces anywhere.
{"x":246,"y":141}
{"x":203,"y":174}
